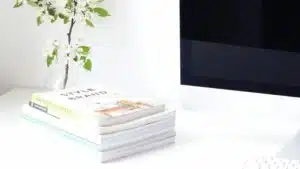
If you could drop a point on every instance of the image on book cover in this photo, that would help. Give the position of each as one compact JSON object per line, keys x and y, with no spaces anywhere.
{"x":120,"y":107}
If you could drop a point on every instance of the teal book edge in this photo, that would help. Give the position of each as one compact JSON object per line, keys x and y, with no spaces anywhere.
{"x":61,"y":132}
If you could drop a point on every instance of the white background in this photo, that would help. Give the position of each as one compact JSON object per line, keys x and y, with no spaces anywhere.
{"x":136,"y":49}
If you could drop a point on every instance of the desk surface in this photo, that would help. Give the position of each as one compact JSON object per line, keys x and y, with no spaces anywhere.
{"x":204,"y":139}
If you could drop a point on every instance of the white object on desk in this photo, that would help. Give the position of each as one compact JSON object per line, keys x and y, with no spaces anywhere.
{"x":204,"y":139}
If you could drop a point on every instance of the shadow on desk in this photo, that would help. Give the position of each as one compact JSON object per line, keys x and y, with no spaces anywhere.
{"x":291,"y":150}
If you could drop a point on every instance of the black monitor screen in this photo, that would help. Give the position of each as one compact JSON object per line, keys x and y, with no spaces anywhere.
{"x":250,"y":45}
{"x":265,"y":24}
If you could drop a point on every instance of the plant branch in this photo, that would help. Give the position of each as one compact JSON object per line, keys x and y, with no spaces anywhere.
{"x":72,"y":23}
{"x":70,"y":31}
{"x":67,"y":67}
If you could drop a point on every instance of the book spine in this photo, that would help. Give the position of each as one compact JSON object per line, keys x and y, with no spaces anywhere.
{"x":45,"y":105}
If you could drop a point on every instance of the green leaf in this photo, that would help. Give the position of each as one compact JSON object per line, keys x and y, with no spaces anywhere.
{"x":89,"y":23}
{"x":66,"y":19}
{"x":85,"y":49}
{"x":39,"y":20}
{"x":51,"y":11}
{"x":18,"y":4}
{"x":55,"y":52}
{"x":90,"y":9}
{"x":61,"y":16}
{"x":75,"y":59}
{"x":83,"y":58}
{"x":98,"y":1}
{"x":54,"y":19}
{"x":101,"y":12}
{"x":88,"y":65}
{"x":49,"y":60}
{"x":31,"y":3}
{"x":69,"y":4}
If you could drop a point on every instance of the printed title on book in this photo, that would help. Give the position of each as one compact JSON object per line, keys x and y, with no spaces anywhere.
{"x":82,"y":93}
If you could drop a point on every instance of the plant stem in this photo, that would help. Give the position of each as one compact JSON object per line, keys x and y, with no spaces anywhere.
{"x":67,"y":66}
{"x":71,"y":30}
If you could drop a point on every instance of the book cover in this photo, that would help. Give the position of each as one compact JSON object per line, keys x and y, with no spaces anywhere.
{"x":104,"y":104}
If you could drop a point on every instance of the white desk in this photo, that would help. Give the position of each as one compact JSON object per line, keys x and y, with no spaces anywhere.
{"x":204,"y":139}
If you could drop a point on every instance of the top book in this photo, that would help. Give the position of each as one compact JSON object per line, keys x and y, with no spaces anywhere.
{"x":107,"y":107}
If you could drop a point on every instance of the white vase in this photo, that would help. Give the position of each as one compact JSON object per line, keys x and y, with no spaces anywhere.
{"x":56,"y":75}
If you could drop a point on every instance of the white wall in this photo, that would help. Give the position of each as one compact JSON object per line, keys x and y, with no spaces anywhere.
{"x":137,"y":49}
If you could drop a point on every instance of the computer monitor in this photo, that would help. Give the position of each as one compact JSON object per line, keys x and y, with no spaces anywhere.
{"x":240,"y":52}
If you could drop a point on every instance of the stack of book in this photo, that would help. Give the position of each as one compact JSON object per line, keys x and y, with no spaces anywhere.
{"x":119,"y":125}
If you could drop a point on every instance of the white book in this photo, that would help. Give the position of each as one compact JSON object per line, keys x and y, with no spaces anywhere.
{"x":138,"y":147}
{"x":107,"y":141}
{"x":167,"y":114}
{"x":145,"y":132}
{"x":96,"y":105}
